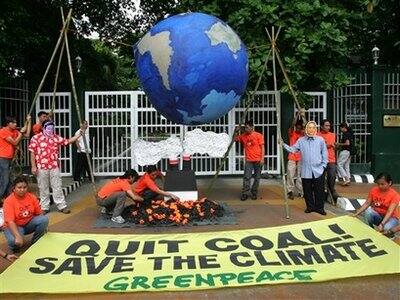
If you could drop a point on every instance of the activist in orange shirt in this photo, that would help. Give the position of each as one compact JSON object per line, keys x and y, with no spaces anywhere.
{"x":253,"y":143}
{"x":112,"y":196}
{"x":148,"y":189}
{"x":330,"y":171}
{"x":22,"y":215}
{"x":381,"y":205}
{"x":42,"y":117}
{"x":294,"y":184}
{"x":10,"y":137}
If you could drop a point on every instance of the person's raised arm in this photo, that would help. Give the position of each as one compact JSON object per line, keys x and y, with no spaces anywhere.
{"x":76,"y":137}
{"x":26,"y":130}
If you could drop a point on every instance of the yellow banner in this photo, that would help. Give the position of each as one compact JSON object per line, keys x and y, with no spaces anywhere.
{"x":310,"y":252}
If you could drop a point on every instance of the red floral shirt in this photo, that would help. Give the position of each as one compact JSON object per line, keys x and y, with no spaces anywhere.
{"x":46,"y":150}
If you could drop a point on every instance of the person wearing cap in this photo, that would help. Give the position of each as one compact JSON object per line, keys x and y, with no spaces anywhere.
{"x":44,"y":149}
{"x":112,"y":196}
{"x":10,"y":138}
{"x":314,"y":156}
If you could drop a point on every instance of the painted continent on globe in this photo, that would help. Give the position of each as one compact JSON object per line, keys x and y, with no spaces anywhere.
{"x":193,"y":67}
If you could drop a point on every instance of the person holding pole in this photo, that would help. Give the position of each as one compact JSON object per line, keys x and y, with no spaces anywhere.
{"x":82,"y":163}
{"x":296,"y":131}
{"x":314,"y":157}
{"x":253,"y":143}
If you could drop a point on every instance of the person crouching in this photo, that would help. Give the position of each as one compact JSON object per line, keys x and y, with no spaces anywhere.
{"x":112,"y":196}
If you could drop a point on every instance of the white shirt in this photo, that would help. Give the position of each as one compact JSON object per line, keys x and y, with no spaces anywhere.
{"x":81,"y":143}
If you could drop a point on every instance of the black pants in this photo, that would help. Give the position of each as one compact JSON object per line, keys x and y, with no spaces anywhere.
{"x":314,"y":194}
{"x":82,"y":166}
{"x":330,"y":179}
{"x":149,"y":195}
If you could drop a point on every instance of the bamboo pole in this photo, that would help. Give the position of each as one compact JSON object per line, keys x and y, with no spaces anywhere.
{"x":64,"y":28}
{"x":75,"y":96}
{"x":278,"y":120}
{"x":242,"y":120}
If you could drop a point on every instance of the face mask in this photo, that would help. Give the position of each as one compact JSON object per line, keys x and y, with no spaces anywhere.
{"x":48,"y":130}
{"x":310,"y":129}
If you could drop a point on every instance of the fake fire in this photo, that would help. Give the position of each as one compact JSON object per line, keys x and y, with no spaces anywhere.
{"x":160,"y":212}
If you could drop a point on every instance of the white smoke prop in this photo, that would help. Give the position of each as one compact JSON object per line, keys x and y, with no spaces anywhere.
{"x":150,"y":153}
{"x":206,"y":142}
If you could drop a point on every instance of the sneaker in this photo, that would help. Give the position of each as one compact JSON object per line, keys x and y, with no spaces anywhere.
{"x":244,"y":197}
{"x":65,"y":210}
{"x":118,"y":219}
{"x":104,"y":211}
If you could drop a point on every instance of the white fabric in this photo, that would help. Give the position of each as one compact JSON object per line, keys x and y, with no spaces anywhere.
{"x":211,"y":143}
{"x":294,"y":173}
{"x":50,"y":177}
{"x":81,"y":143}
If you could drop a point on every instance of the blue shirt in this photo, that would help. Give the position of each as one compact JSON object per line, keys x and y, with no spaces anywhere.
{"x":314,"y":155}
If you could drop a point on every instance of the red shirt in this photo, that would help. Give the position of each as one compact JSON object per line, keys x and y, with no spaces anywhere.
{"x":293,"y":137}
{"x":382,"y":200}
{"x":7,"y":149}
{"x":20,"y":210}
{"x":145,"y":182}
{"x":114,"y":186}
{"x":330,"y":139}
{"x":46,"y":150}
{"x":252,"y":143}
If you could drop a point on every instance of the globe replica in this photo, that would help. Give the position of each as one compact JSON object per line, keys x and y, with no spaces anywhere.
{"x":193,"y":67}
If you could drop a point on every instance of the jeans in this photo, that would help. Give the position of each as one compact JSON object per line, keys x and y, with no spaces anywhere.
{"x":38,"y":225}
{"x":372,"y":218}
{"x":115,"y":202}
{"x":249,"y":166}
{"x":4,"y":175}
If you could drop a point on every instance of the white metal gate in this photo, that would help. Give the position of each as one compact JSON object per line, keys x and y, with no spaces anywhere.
{"x":317,"y":110}
{"x":116,"y":119}
{"x":62,"y":121}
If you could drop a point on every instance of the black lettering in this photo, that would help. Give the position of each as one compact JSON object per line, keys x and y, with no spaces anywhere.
{"x":336,"y":229}
{"x":72,"y":264}
{"x":367,"y":249}
{"x":263,"y":261}
{"x":208,"y":261}
{"x":121,"y":262}
{"x":44,"y":262}
{"x":212,"y":244}
{"x":347,"y":247}
{"x":308,"y":256}
{"x":173,"y":246}
{"x":189,"y":260}
{"x":287,"y":239}
{"x":158,"y":262}
{"x":282,"y":256}
{"x":264,"y":244}
{"x":234,"y":259}
{"x":91,"y":244}
{"x":309,"y":235}
{"x":91,"y":265}
{"x":148,"y":247}
{"x":112,"y":248}
{"x":331,"y":254}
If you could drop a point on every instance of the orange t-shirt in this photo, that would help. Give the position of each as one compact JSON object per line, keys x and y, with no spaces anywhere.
{"x":382,"y":200}
{"x":113,"y":186}
{"x":293,"y":137}
{"x":252,"y":144}
{"x":36,"y":128}
{"x":145,"y":182}
{"x":20,"y":210}
{"x":330,"y":139}
{"x":7,"y":149}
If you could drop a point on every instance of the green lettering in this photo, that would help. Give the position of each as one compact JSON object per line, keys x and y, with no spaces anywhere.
{"x":114,"y":285}
{"x":278,"y":276}
{"x":226,"y":277}
{"x":303,"y":274}
{"x":265,"y":275}
{"x":245,"y":277}
{"x":209,"y":281}
{"x":183,"y":281}
{"x":161,"y":282}
{"x":139,"y":281}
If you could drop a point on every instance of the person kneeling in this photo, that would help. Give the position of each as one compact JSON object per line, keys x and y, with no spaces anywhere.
{"x":381,"y":205}
{"x":148,"y":189}
{"x":112,"y":195}
{"x":22,"y":216}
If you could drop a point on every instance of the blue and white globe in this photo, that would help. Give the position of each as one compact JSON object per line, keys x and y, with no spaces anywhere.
{"x":193,"y":67}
